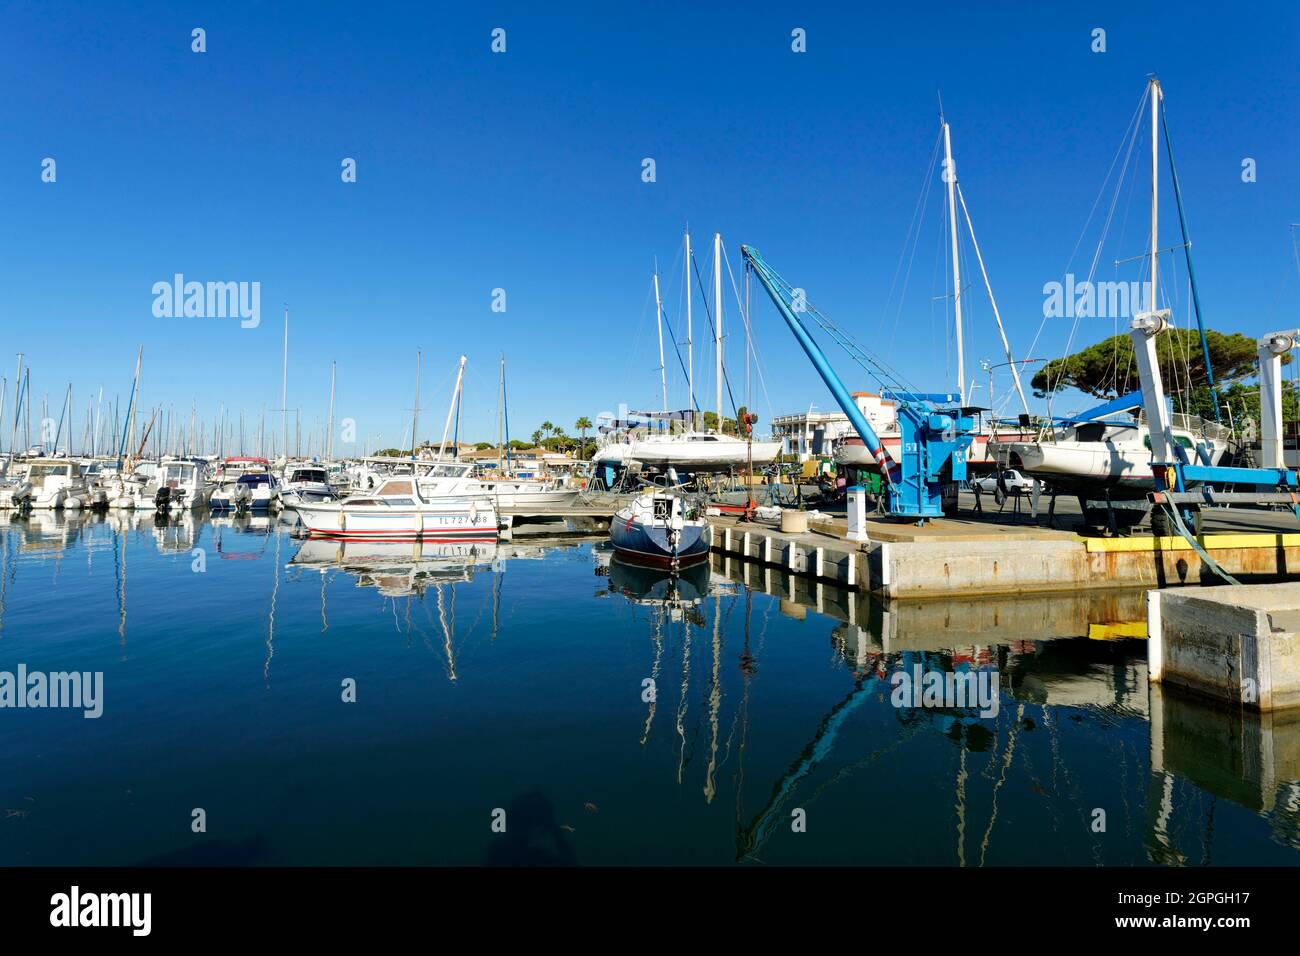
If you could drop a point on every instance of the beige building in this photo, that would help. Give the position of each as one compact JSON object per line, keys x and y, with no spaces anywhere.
{"x":801,"y":432}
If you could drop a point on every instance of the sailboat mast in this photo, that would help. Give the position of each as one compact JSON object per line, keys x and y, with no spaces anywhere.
{"x":1155,"y":183}
{"x":659,"y":323}
{"x":501,"y":414}
{"x":284,"y":390}
{"x":950,"y":174}
{"x":329,"y":438}
{"x":94,"y":436}
{"x":18,"y":403}
{"x":415,"y":422}
{"x":128,"y":425}
{"x":451,"y":409}
{"x":690,"y":352}
{"x":717,"y":321}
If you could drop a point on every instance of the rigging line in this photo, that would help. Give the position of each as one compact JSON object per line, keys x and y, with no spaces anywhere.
{"x":914,"y":235}
{"x":712,"y":328}
{"x":1006,"y":346}
{"x":752,"y":344}
{"x":867,"y":360}
{"x":1126,"y":146}
{"x":680,"y":361}
{"x":1092,"y":270}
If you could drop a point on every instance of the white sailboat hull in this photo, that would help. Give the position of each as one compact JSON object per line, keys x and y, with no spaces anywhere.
{"x":700,"y":453}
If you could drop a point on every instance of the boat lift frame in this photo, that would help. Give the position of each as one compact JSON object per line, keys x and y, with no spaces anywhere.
{"x":1174,"y":473}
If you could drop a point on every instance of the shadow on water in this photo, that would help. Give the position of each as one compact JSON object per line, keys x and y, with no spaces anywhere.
{"x":532,"y":837}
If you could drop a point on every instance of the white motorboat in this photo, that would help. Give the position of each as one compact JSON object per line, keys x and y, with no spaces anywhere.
{"x":520,"y":493}
{"x":132,"y":487}
{"x":245,"y":484}
{"x":50,"y":484}
{"x":401,"y":508}
{"x":182,"y":486}
{"x":305,"y":482}
{"x":95,"y":494}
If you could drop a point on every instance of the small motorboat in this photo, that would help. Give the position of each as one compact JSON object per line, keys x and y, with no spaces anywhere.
{"x":399,"y":508}
{"x":661,"y":528}
{"x":50,"y":485}
{"x":308,"y":482}
{"x":245,"y":484}
{"x":182,"y":486}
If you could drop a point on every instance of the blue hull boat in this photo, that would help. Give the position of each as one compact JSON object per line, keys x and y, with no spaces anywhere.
{"x":661,"y":530}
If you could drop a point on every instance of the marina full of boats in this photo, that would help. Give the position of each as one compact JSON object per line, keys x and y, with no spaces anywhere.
{"x":383,"y":497}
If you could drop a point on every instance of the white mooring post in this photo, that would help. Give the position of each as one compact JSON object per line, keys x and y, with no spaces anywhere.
{"x":857,"y":514}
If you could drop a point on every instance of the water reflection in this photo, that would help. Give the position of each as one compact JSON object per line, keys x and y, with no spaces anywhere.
{"x":702,"y":712}
{"x":1071,"y":657}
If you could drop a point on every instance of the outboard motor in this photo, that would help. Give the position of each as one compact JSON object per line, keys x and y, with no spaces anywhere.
{"x":162,"y":498}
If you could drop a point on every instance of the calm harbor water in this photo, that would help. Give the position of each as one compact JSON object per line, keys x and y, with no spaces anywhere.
{"x":514,"y":677}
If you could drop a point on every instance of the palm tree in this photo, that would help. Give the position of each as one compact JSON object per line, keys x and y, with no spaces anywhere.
{"x":582,"y":424}
{"x":547,"y":428}
{"x":537,"y":438}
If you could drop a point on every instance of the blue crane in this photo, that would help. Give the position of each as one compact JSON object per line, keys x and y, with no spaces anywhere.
{"x":934,"y":439}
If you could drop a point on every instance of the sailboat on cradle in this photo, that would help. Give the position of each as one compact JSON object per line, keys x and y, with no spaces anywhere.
{"x":1105,"y":453}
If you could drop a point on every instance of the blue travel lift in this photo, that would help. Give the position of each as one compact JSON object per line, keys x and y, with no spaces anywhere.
{"x":934,"y":439}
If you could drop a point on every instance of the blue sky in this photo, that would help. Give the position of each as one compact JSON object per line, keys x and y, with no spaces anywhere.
{"x":522,"y":171}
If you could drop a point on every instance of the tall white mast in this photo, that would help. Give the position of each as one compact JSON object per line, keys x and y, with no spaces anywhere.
{"x":950,"y":174}
{"x":659,"y":322}
{"x":329,"y":439}
{"x":451,"y":409}
{"x":1155,"y":182}
{"x":717,"y":320}
{"x":690,"y":352}
{"x":284,"y":391}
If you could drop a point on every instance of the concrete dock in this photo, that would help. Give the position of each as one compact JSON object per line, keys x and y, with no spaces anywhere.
{"x":971,"y":556}
{"x":1237,"y":645}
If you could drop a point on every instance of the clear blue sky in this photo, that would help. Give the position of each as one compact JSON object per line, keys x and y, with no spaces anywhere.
{"x":523,"y":171}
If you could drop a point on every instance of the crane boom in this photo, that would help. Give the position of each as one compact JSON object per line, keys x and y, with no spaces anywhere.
{"x":933,"y":441}
{"x":772,"y":283}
